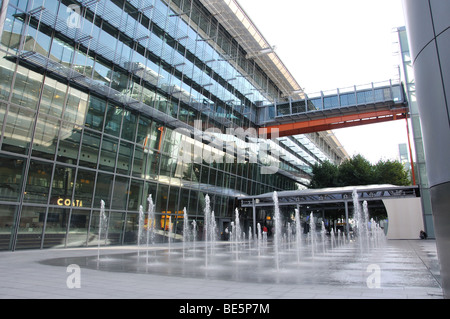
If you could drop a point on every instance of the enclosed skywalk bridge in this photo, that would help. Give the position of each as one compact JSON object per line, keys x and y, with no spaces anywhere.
{"x":359,"y":105}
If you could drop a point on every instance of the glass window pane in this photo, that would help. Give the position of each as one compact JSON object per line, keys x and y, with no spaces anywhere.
{"x":30,"y":227}
{"x":139,"y":162}
{"x":136,"y":197}
{"x":152,"y":167}
{"x":46,"y":137}
{"x":129,"y":126}
{"x":125,"y":159}
{"x":78,"y":228}
{"x":84,"y":187}
{"x":26,"y":88}
{"x":102,"y":73}
{"x":69,"y":143}
{"x":108,"y":154}
{"x":11,"y":174}
{"x":103,"y":189}
{"x":119,"y":198}
{"x":95,"y":236}
{"x":56,"y":227}
{"x":113,"y":120}
{"x":62,"y":187}
{"x":6,"y":73}
{"x":53,"y":95}
{"x":18,"y":130}
{"x":161,"y":198}
{"x":115,"y":228}
{"x":38,"y":184}
{"x":132,"y":228}
{"x":61,"y":52}
{"x":7,"y":218}
{"x":89,"y":149}
{"x":76,"y":106}
{"x":143,"y":127}
{"x":96,"y":113}
{"x":2,"y":113}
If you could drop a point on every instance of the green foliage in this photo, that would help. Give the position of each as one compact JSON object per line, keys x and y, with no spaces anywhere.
{"x":390,"y":172}
{"x":356,"y":171}
{"x":359,"y":171}
{"x":325,"y":175}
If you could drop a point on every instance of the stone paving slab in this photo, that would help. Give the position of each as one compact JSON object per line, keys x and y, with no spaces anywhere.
{"x":24,"y":276}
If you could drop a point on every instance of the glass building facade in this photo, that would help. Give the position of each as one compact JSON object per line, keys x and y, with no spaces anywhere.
{"x":104,"y":99}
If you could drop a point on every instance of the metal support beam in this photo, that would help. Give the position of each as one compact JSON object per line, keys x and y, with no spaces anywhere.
{"x":339,"y":121}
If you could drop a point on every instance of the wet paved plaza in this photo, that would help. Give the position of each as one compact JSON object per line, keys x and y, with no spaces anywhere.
{"x":396,"y":269}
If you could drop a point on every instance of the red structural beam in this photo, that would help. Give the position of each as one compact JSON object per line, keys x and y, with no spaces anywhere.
{"x":335,"y":122}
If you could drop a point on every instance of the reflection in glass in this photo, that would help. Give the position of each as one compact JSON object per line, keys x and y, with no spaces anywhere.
{"x":103,"y":189}
{"x":96,"y":113}
{"x":56,"y":227}
{"x":108,"y":154}
{"x":131,"y":228}
{"x":89,"y":149}
{"x":7,"y":217}
{"x":30,"y":227}
{"x":84,"y":187}
{"x":69,"y":143}
{"x":53,"y":95}
{"x":63,"y":183}
{"x":125,"y":158}
{"x":136,"y":195}
{"x":76,"y":107}
{"x":18,"y":130}
{"x":129,"y":126}
{"x":38,"y":184}
{"x":119,"y":197}
{"x":78,"y":228}
{"x":11,"y":174}
{"x":115,"y":229}
{"x":113,"y":120}
{"x":26,"y":88}
{"x":46,"y":137}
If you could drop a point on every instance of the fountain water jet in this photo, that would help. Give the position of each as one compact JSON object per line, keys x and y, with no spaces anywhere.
{"x":140,"y":229}
{"x":194,"y":234}
{"x":298,"y":232}
{"x":259,"y":239}
{"x":150,"y":223}
{"x":361,"y":216}
{"x":209,"y":229}
{"x":277,"y":235}
{"x":185,"y":231}
{"x":323,"y":232}
{"x":312,"y":233}
{"x":254,"y":264}
{"x":237,"y":233}
{"x":102,"y":226}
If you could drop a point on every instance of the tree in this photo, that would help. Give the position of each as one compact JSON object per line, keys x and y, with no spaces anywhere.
{"x":358,"y":171}
{"x":389,"y":172}
{"x":324,"y":175}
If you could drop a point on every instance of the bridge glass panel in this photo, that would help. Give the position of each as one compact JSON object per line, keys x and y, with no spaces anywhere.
{"x":317,"y":103}
{"x":330,"y":102}
{"x":298,"y":107}
{"x":348,"y":99}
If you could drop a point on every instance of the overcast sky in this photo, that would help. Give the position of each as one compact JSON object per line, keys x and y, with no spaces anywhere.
{"x":329,"y":44}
